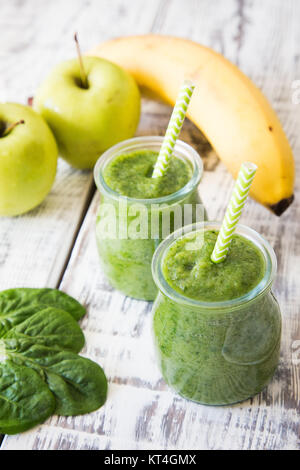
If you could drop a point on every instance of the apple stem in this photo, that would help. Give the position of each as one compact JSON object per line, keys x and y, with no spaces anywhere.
{"x":82,"y":71}
{"x":11,"y":127}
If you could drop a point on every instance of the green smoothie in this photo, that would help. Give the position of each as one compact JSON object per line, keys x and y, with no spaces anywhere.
{"x":126,"y":261}
{"x":224,"y":352}
{"x":193,"y":274}
{"x":130,"y":174}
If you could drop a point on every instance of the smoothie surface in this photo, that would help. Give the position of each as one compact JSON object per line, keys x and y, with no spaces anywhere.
{"x":129,"y":174}
{"x":194,"y":275}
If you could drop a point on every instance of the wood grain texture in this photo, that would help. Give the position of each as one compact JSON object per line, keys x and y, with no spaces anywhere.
{"x":142,"y":412}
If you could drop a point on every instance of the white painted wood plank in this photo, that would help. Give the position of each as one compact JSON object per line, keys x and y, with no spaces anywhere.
{"x":38,"y":34}
{"x":35,"y":247}
{"x":141,"y":412}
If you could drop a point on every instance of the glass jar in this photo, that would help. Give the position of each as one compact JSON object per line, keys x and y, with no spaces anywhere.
{"x":217,"y":353}
{"x":126,"y":255}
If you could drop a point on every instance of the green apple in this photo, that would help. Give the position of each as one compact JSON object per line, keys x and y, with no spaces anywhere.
{"x":28,"y":159}
{"x":86,"y":121}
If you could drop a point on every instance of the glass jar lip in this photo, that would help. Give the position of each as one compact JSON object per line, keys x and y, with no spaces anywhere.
{"x":260,"y":242}
{"x":142,"y":142}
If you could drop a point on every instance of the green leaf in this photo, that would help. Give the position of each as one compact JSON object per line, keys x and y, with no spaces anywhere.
{"x":51,"y":327}
{"x":25,"y":399}
{"x":40,"y":372}
{"x":58,"y":299}
{"x":79,"y":384}
{"x":16,"y":305}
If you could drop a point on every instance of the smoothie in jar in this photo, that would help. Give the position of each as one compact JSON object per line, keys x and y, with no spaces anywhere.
{"x":138,"y":208}
{"x":217,"y":327}
{"x":129,"y":174}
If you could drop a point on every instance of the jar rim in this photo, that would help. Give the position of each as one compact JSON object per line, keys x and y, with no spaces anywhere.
{"x":260,"y":242}
{"x":141,"y":143}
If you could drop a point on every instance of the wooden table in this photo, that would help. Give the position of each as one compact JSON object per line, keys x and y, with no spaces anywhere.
{"x":54,"y":245}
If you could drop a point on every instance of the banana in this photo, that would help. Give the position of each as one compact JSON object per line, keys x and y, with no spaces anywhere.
{"x":229,"y":109}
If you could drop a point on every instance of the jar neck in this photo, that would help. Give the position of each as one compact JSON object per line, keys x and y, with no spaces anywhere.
{"x":262,"y":288}
{"x":181,"y":150}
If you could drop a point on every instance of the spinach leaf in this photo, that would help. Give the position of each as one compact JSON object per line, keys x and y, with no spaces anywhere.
{"x":49,"y":327}
{"x":18,"y":304}
{"x":79,"y":384}
{"x":40,"y":370}
{"x":25,"y":399}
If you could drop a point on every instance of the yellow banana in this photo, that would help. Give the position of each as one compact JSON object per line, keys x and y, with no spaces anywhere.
{"x":232,"y":113}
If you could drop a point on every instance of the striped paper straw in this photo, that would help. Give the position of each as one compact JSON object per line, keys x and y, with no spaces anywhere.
{"x":234,"y":211}
{"x":174,"y":128}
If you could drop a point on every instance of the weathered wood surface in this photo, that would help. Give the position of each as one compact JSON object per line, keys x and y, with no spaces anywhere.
{"x":141,"y":412}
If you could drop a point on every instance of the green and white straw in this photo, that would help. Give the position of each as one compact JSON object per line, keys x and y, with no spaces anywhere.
{"x":234,"y":211}
{"x":174,"y":128}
